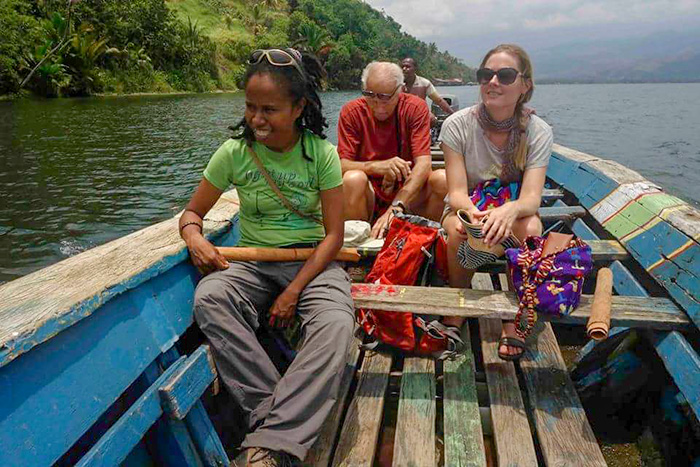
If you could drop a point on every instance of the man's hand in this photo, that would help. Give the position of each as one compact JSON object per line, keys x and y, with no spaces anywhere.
{"x":282,"y":311}
{"x":381,"y":226}
{"x":388,"y":184}
{"x":395,"y":167}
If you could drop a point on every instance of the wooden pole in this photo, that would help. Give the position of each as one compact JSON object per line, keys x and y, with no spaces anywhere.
{"x":599,"y":321}
{"x":281,"y":254}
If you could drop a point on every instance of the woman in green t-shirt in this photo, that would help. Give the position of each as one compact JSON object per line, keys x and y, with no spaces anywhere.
{"x":283,"y":127}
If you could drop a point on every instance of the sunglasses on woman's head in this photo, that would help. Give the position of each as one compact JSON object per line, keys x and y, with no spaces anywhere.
{"x":382,"y":96}
{"x":276,"y":57}
{"x":506,"y":76}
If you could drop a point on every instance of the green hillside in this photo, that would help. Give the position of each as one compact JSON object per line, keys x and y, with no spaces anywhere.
{"x":113,"y":46}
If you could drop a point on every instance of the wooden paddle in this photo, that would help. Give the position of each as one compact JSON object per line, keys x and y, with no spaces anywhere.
{"x":281,"y":254}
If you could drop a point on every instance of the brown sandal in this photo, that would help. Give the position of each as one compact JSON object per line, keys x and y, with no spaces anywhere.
{"x":511,"y":342}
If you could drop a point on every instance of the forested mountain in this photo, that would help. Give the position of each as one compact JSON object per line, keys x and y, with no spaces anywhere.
{"x":82,"y":47}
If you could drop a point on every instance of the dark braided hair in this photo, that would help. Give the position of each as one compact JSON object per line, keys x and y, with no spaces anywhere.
{"x":299,"y":86}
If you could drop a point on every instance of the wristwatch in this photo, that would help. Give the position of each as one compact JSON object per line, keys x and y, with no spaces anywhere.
{"x":397,"y":203}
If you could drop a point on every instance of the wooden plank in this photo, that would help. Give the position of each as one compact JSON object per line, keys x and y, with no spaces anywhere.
{"x":651,"y":312}
{"x":683,"y":364}
{"x":514,"y":445}
{"x":414,"y":441}
{"x":38,"y":306}
{"x":358,"y":438}
{"x":568,"y":213}
{"x":564,"y":433}
{"x":121,"y":438}
{"x":320,"y":453}
{"x":200,"y":372}
{"x":573,"y":154}
{"x":602,"y":250}
{"x":464,"y":439}
{"x":511,"y":429}
{"x":184,"y":388}
{"x":168,"y":440}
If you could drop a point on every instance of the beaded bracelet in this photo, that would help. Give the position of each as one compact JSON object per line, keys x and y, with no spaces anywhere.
{"x":182,"y":227}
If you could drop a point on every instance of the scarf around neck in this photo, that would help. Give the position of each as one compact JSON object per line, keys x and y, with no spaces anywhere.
{"x":509,"y":171}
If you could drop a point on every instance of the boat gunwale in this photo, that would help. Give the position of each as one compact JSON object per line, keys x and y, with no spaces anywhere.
{"x":31,"y":321}
{"x":608,"y":190}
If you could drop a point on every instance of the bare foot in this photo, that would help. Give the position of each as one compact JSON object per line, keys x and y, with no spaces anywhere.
{"x":509,"y":331}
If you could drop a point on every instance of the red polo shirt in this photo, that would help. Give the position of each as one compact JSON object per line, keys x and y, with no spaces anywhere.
{"x":363,"y":138}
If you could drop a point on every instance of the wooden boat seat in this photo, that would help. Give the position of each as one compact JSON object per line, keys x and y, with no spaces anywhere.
{"x":446,"y":409}
{"x":602,"y":250}
{"x":645,"y":312}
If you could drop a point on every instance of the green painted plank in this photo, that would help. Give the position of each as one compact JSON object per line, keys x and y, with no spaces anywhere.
{"x":464,"y":440}
{"x":414,"y":442}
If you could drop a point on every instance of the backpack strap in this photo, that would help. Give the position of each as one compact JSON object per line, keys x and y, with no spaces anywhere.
{"x":277,"y":191}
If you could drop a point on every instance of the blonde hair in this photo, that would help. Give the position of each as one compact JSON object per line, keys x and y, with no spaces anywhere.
{"x":525,"y":68}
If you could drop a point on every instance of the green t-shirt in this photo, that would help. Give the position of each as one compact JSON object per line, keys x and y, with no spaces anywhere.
{"x":264,"y":220}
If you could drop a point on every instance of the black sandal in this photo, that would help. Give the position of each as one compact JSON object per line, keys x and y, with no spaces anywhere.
{"x":511,"y":342}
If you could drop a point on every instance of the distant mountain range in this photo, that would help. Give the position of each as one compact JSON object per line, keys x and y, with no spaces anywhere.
{"x":666,"y":56}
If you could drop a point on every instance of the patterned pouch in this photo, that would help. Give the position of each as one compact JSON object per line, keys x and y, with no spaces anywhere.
{"x":491,"y":194}
{"x":549,"y":284}
{"x":487,"y":195}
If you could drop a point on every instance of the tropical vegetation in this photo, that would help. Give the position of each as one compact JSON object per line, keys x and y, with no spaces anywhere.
{"x":84,"y":47}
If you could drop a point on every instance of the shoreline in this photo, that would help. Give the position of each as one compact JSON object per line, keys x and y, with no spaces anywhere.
{"x":27,"y":95}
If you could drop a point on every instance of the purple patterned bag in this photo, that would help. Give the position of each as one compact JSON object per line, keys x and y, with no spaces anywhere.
{"x":550,"y":284}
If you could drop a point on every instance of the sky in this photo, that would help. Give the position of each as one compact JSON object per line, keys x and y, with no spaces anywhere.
{"x":469,"y":28}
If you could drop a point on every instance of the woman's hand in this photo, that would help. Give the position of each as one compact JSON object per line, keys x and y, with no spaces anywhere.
{"x":453,"y":226}
{"x":474,"y":214}
{"x":499,"y":223}
{"x":204,"y":255}
{"x":282,"y":311}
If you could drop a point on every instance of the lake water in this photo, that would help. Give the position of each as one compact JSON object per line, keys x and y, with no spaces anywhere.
{"x":76,"y":173}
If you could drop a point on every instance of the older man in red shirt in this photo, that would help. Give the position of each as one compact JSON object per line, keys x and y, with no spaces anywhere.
{"x":384,"y":148}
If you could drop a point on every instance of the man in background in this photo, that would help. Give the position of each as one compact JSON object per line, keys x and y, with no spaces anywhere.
{"x":421,"y":87}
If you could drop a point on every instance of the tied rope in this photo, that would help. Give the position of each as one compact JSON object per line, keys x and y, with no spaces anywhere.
{"x":509,"y":172}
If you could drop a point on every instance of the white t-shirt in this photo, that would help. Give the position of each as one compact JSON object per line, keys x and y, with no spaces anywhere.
{"x":484,"y":161}
{"x":423,"y":88}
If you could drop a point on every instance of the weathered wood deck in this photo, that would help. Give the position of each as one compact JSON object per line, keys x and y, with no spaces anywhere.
{"x":438,"y":418}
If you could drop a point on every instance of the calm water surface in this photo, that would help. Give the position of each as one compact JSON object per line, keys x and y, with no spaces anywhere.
{"x":76,"y":173}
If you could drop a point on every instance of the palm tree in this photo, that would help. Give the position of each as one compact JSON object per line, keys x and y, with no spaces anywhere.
{"x":273,"y":4}
{"x":257,"y":19}
{"x":314,"y":39}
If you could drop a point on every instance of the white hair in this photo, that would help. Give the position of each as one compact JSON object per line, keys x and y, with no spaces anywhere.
{"x":388,"y":70}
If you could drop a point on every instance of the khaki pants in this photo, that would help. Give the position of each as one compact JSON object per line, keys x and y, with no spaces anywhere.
{"x":285,"y":413}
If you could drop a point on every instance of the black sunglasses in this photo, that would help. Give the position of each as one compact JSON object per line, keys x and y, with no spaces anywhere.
{"x":382,"y":96}
{"x":276,"y":57}
{"x":506,"y":76}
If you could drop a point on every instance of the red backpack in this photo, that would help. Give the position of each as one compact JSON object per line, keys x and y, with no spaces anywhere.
{"x":413,"y":245}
